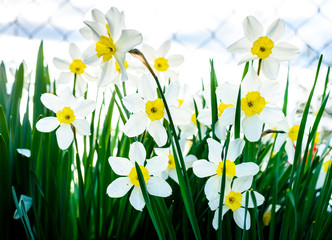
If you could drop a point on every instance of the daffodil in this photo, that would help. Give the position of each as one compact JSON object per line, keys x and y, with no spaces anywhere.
{"x":266,"y":47}
{"x":111,"y":40}
{"x":148,"y":112}
{"x":213,"y":167}
{"x":256,"y":106}
{"x":235,"y":200}
{"x":74,"y":67}
{"x":128,"y":179}
{"x":70,"y":113}
{"x":267,"y":214}
{"x":25,"y":201}
{"x":162,"y":63}
{"x":327,"y":164}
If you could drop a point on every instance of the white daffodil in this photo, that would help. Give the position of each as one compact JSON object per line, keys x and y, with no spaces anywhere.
{"x":264,"y":47}
{"x":169,"y":157}
{"x":129,"y":179}
{"x":214,"y":165}
{"x":235,"y":200}
{"x":27,"y":202}
{"x":148,"y":112}
{"x":161,"y":62}
{"x":267,"y":214}
{"x":70,"y":68}
{"x":323,"y":172}
{"x":70,"y":113}
{"x":256,"y":110}
{"x":111,"y":39}
{"x":24,"y":152}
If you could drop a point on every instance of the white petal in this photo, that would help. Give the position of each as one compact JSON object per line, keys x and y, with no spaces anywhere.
{"x":119,"y":187}
{"x":251,"y":82}
{"x":115,"y":20}
{"x":164,"y":48}
{"x":173,"y":175}
{"x":134,"y":103}
{"x":27,"y":202}
{"x":89,"y":55}
{"x":271,"y":115}
{"x":137,"y":153}
{"x":64,"y":136}
{"x":205,"y":117}
{"x":204,"y":168}
{"x":235,"y":149}
{"x":252,"y":128}
{"x":242,"y":45}
{"x":215,"y":149}
{"x":136,"y":124}
{"x":212,"y":186}
{"x":246,"y":169}
{"x":276,"y":30}
{"x":270,"y":67}
{"x":157,"y":164}
{"x":65,"y":77}
{"x":86,"y":33}
{"x":228,"y":116}
{"x":220,"y":130}
{"x":108,"y":73}
{"x":242,"y":183}
{"x":284,"y":51}
{"x":74,"y":52}
{"x":158,"y":187}
{"x":128,"y":40}
{"x":216,"y":216}
{"x":290,"y":150}
{"x":82,"y":126}
{"x":147,"y":88}
{"x":247,"y":58}
{"x":158,"y":132}
{"x":162,"y":151}
{"x":24,"y":152}
{"x":259,"y":199}
{"x":239,"y":215}
{"x":81,"y":86}
{"x":61,"y":63}
{"x":51,"y":102}
{"x":98,"y":16}
{"x":136,"y":199}
{"x":97,"y":29}
{"x":121,"y":166}
{"x":175,"y":60}
{"x":84,"y":108}
{"x":66,"y":98}
{"x":179,"y":116}
{"x":227,"y":92}
{"x":253,"y":29}
{"x":172,"y":94}
{"x":149,"y":52}
{"x":281,"y":138}
{"x":120,"y":58}
{"x":47,"y":124}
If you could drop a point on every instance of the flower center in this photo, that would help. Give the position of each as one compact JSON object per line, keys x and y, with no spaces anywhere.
{"x":233,"y":200}
{"x":171,"y":162}
{"x":266,"y":218}
{"x":117,"y":66}
{"x":134,"y":177}
{"x":77,"y":66}
{"x":180,"y":102}
{"x":155,"y":109}
{"x":105,"y":48}
{"x":193,"y":119}
{"x":108,"y":30}
{"x":317,"y":138}
{"x":66,"y":115}
{"x":230,"y":168}
{"x":161,"y":64}
{"x":294,"y":132}
{"x":262,"y":47}
{"x":326,"y":165}
{"x":222,"y":107}
{"x":253,"y":103}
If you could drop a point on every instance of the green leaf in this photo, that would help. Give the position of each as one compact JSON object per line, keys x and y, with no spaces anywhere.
{"x":214,"y":104}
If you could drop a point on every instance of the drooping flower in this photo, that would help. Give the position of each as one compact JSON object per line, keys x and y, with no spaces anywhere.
{"x":266,"y":47}
{"x":256,"y":106}
{"x":327,"y":164}
{"x":235,"y":200}
{"x":70,"y":113}
{"x":213,"y":167}
{"x":267,"y":214}
{"x":74,"y":67}
{"x":27,"y":202}
{"x":162,"y":63}
{"x":129,"y":179}
{"x":111,"y":40}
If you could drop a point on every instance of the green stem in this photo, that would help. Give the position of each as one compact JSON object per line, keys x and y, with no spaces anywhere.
{"x":259,"y":66}
{"x":74,"y":86}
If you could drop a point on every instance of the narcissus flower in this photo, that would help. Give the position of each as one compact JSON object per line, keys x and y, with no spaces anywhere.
{"x":111,"y":40}
{"x":161,"y":62}
{"x":235,"y":200}
{"x":27,"y":202}
{"x":264,"y":47}
{"x":214,"y":165}
{"x":70,"y":113}
{"x":256,"y":108}
{"x":70,"y":68}
{"x":327,"y":164}
{"x":129,"y":179}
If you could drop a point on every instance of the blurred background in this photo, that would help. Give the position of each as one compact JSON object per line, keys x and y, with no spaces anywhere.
{"x":199,"y":30}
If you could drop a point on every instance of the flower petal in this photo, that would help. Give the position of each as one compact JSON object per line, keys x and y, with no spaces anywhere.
{"x":84,"y":108}
{"x":259,"y":199}
{"x":205,"y":117}
{"x":284,"y":51}
{"x":74,"y":52}
{"x":290,"y":150}
{"x":108,"y":74}
{"x":136,"y":124}
{"x":121,"y":166}
{"x":253,"y":29}
{"x":61,"y":63}
{"x":216,"y":216}
{"x":120,"y":58}
{"x":228,"y":116}
{"x":212,"y":186}
{"x":136,"y":199}
{"x":97,"y":29}
{"x":137,"y":153}
{"x":119,"y":187}
{"x":147,"y":87}
{"x":175,"y":60}
{"x":270,"y":67}
{"x":242,"y":183}
{"x":158,"y":132}
{"x":89,"y":55}
{"x":67,"y":99}
{"x":215,"y":149}
{"x":47,"y":124}
{"x":164,"y":48}
{"x":227,"y":92}
{"x":64,"y":136}
{"x":251,"y":82}
{"x":252,"y":128}
{"x":65,"y":77}
{"x":82,"y":126}
{"x":276,"y":30}
{"x":128,"y":40}
{"x":242,"y":45}
{"x":246,"y":169}
{"x":204,"y":168}
{"x":51,"y":102}
{"x":134,"y":103}
{"x":235,"y":149}
{"x":271,"y":115}
{"x":157,"y":164}
{"x":248,"y":58}
{"x":220,"y":130}
{"x":158,"y":187}
{"x":238,"y":216}
{"x":172,"y":94}
{"x":115,"y":20}
{"x":98,"y":16}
